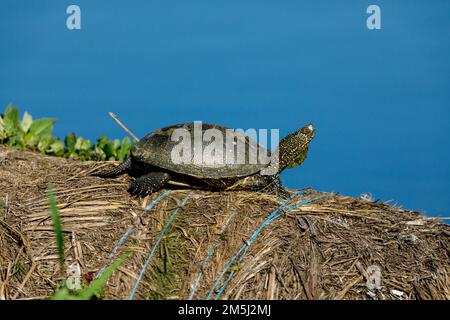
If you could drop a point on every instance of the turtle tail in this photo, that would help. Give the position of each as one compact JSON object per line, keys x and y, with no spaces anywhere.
{"x":122,"y":168}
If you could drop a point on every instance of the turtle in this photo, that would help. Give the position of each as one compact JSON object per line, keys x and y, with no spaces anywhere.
{"x":152,"y":163}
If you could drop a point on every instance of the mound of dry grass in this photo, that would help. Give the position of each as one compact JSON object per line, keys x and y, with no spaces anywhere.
{"x":331,"y":248}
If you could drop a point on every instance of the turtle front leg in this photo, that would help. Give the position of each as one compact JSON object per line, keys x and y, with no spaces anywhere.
{"x":148,"y":183}
{"x":282,"y":193}
{"x":275,"y":187}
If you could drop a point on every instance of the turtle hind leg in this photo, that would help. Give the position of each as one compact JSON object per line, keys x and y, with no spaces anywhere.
{"x":148,"y":183}
{"x":124,"y":167}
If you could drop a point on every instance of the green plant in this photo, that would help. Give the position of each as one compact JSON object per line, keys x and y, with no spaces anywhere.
{"x":94,"y":289}
{"x":57,"y":227}
{"x":36,"y":135}
{"x":87,"y":292}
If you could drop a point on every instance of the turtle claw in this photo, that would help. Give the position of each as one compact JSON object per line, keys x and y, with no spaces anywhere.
{"x":137,"y":189}
{"x":148,"y":183}
{"x":124,"y":167}
{"x":132,"y":189}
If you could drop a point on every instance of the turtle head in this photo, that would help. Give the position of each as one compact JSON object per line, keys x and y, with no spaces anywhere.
{"x":294,"y":147}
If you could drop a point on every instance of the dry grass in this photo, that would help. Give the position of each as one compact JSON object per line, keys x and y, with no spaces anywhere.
{"x":321,"y":250}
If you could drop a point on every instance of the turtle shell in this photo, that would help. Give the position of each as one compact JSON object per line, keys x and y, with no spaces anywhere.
{"x":159,"y":148}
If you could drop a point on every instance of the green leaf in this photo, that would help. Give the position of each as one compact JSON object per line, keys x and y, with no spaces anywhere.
{"x":27,"y":120}
{"x":11,"y":121}
{"x":106,"y":146}
{"x":114,"y":148}
{"x":124,"y":150}
{"x":19,"y":142}
{"x":39,"y":129}
{"x":97,"y":285}
{"x":82,"y":148}
{"x":102,"y":142}
{"x":70,"y":140}
{"x":99,"y":154}
{"x":62,"y":294}
{"x":16,"y":141}
{"x":94,"y":289}
{"x":42,"y":127}
{"x":86,"y":145}
{"x":56,"y":148}
{"x":79,"y":143}
{"x":74,"y":155}
{"x":44,"y":144}
{"x":116,"y":144}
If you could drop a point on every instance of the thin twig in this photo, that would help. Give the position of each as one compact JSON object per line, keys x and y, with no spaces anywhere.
{"x":112,"y":115}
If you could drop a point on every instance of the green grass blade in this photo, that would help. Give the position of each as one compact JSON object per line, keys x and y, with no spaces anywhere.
{"x":97,"y":285}
{"x":57,"y":226}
